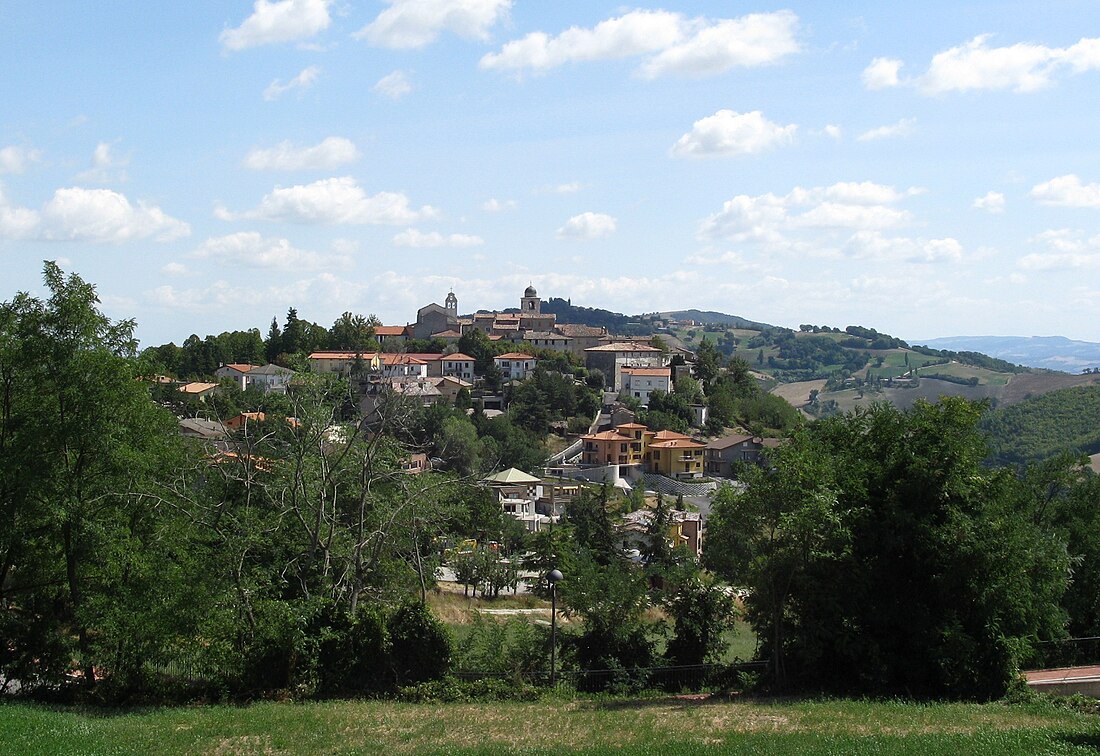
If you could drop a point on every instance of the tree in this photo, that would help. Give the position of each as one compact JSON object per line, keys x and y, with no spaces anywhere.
{"x":80,"y":441}
{"x":708,"y":361}
{"x":352,"y":333}
{"x":703,"y":611}
{"x":875,"y":543}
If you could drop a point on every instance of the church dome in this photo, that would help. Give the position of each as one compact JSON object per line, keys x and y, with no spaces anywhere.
{"x":530,"y":292}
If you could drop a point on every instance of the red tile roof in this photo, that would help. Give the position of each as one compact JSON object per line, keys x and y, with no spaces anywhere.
{"x":514,"y":356}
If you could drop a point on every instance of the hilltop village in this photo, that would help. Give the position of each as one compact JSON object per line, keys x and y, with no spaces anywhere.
{"x":601,"y":408}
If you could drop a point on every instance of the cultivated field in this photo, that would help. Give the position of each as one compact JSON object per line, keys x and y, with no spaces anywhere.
{"x":556,"y":724}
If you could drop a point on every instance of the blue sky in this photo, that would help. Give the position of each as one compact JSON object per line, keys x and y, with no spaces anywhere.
{"x":927,"y":169}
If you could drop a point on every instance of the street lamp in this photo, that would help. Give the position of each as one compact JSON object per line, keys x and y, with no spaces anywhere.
{"x":553,"y":577}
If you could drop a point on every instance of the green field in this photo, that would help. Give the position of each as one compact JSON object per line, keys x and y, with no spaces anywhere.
{"x":556,"y":724}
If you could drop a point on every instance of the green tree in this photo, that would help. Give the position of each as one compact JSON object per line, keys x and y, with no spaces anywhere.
{"x":80,"y":443}
{"x":877,"y":544}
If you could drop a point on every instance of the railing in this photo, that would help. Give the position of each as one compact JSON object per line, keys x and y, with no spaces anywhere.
{"x":1068,"y":652}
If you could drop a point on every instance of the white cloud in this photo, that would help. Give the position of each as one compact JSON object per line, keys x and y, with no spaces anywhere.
{"x":569,"y":188}
{"x":1067,"y":191}
{"x":278,"y":21}
{"x":174,"y":269}
{"x":1065,"y":250}
{"x":991,"y":202}
{"x":95,"y":215}
{"x":873,"y":245}
{"x":16,"y":159}
{"x":832,"y":131}
{"x":493,"y":205}
{"x":730,"y":133}
{"x":328,"y":154}
{"x":753,"y":40}
{"x":304,"y":80}
{"x":1021,"y":67}
{"x":841,"y":215}
{"x":410,"y":24}
{"x":587,"y":226}
{"x":881,"y":73}
{"x":250,"y":249}
{"x":904,"y":127}
{"x":674,"y":43}
{"x":419,"y":240}
{"x":394,"y":85}
{"x":332,"y":201}
{"x":846,"y":219}
{"x":106,"y":167}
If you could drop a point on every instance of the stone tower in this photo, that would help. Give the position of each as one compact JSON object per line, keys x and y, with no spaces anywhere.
{"x":450,"y":304}
{"x":530,"y":304}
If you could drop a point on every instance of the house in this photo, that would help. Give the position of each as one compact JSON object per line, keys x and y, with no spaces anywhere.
{"x":415,"y":463}
{"x":198,"y":389}
{"x":383,"y":333}
{"x":236,"y":372}
{"x":640,"y":382}
{"x":515,"y":365}
{"x":458,"y":365}
{"x":610,"y":359}
{"x":684,"y":531}
{"x":582,"y":337}
{"x":383,"y":364}
{"x":449,"y":387}
{"x":610,"y":448}
{"x":242,"y":420}
{"x":723,"y":454}
{"x":543,"y":339}
{"x":517,"y":492}
{"x":553,"y":496}
{"x":202,"y":429}
{"x":271,"y":379}
{"x":675,"y":455}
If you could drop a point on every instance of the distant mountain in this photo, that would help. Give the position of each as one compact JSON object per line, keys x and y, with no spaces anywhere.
{"x":720,"y":318}
{"x":1050,"y":352}
{"x":614,"y":322}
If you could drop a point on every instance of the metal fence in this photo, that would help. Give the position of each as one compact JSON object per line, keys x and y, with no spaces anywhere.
{"x":1068,"y":652}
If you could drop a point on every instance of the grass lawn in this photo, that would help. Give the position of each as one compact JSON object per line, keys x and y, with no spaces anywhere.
{"x":556,"y":724}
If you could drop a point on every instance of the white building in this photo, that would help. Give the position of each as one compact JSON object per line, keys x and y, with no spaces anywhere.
{"x":515,"y":365}
{"x":640,"y":382}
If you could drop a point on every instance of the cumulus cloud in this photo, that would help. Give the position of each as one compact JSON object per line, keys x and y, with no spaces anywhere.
{"x":832,"y":131}
{"x":991,"y":202}
{"x":419,"y":240}
{"x":411,"y":24}
{"x":285,"y":156}
{"x":332,"y":201}
{"x":588,"y":226}
{"x":16,"y":159}
{"x":975,"y":66}
{"x":106,"y":166}
{"x":846,"y":219}
{"x":571,"y":187}
{"x":1067,"y":191}
{"x":1063,"y":250}
{"x":95,"y":215}
{"x":304,"y":80}
{"x":252,"y":250}
{"x":394,"y":85}
{"x":882,"y":73}
{"x":493,"y":205}
{"x":670,"y":42}
{"x":904,"y":127}
{"x":729,"y":133}
{"x":278,"y":21}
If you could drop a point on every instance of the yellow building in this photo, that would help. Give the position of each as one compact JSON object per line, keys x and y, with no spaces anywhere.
{"x":664,"y":452}
{"x":674,"y":455}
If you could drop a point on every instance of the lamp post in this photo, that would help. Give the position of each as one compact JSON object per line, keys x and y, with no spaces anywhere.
{"x":553,"y":577}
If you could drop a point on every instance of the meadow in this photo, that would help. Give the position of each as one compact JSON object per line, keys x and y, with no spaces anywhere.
{"x":556,"y":723}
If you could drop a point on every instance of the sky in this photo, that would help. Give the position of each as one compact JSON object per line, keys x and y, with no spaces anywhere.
{"x":926,"y":169}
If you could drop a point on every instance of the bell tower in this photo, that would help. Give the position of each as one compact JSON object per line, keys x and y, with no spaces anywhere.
{"x":530,"y":304}
{"x":451,"y":305}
